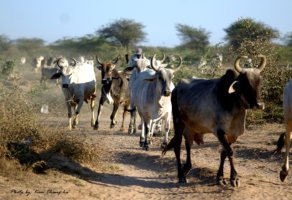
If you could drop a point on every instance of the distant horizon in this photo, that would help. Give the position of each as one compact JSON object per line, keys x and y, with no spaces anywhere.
{"x":55,"y":20}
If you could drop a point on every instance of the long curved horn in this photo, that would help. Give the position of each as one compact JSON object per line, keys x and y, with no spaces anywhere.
{"x":116,"y":60}
{"x":163,"y":58}
{"x":263,"y":62}
{"x":61,"y":67}
{"x":74,"y":61}
{"x":236,"y":64}
{"x":179,"y":65}
{"x":153,"y":66}
{"x":98,"y":61}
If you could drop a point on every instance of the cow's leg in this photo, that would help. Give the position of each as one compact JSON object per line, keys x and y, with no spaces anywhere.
{"x":77,"y":111}
{"x":146,"y":130}
{"x":285,"y":168}
{"x":142,"y":136}
{"x":69,"y":114}
{"x":188,"y":143}
{"x":229,"y":152}
{"x":92,"y":106}
{"x":100,"y":106}
{"x":132,"y":125}
{"x":166,"y":131}
{"x":177,"y":147}
{"x":220,"y":173}
{"x":113,"y":115}
{"x":123,"y":120}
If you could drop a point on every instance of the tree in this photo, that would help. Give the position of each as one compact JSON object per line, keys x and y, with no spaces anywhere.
{"x":193,"y":38}
{"x":249,"y":30}
{"x":288,"y":39}
{"x":123,"y":32}
{"x":5,"y":43}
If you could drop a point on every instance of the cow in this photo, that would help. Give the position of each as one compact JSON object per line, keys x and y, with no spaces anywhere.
{"x":114,"y":90}
{"x":78,"y":85}
{"x":22,"y":60}
{"x":150,"y":93}
{"x":287,"y":106}
{"x":215,"y":106}
{"x":38,"y":63}
{"x":137,"y":65}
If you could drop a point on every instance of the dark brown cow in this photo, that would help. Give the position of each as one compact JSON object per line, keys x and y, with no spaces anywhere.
{"x":215,"y":106}
{"x":114,"y":90}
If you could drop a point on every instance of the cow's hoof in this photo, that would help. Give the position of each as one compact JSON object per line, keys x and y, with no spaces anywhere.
{"x":163,"y":145}
{"x":283,"y":175}
{"x":95,"y":127}
{"x":131,"y":131}
{"x":182,"y":180}
{"x":221,"y":181}
{"x":112,"y":126}
{"x":146,"y":148}
{"x":141,"y":143}
{"x":234,"y":182}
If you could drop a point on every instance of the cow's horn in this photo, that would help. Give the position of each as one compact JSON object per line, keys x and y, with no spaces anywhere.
{"x":263,"y":62}
{"x":163,"y":58}
{"x":98,"y":61}
{"x":179,"y":65}
{"x":61,"y":67}
{"x":116,"y":60}
{"x":74,"y":61}
{"x":153,"y":66}
{"x":236,"y":64}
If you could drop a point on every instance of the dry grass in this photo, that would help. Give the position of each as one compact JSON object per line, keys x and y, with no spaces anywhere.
{"x":25,"y":144}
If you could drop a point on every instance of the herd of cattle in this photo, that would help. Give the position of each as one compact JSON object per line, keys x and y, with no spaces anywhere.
{"x":197,"y":106}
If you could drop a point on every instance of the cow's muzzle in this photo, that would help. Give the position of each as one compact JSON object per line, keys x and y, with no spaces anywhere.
{"x":65,"y":85}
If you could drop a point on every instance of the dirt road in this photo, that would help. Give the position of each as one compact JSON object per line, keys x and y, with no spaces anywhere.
{"x":125,"y":171}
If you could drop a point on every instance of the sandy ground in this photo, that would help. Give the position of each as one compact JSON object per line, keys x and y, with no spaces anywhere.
{"x":125,"y":171}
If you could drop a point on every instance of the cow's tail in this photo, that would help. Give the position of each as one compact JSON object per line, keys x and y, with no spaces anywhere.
{"x":175,"y":113}
{"x":170,"y":145}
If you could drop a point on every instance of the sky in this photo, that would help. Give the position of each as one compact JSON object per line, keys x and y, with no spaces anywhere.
{"x":52,"y":20}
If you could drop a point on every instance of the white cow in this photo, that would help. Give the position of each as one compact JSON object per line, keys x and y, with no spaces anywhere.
{"x":151,"y":93}
{"x":78,"y":84}
{"x":287,"y":106}
{"x":38,"y":63}
{"x":22,"y":60}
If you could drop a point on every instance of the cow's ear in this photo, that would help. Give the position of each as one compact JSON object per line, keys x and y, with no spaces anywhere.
{"x":56,"y":75}
{"x":233,"y":87}
{"x":129,"y":69}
